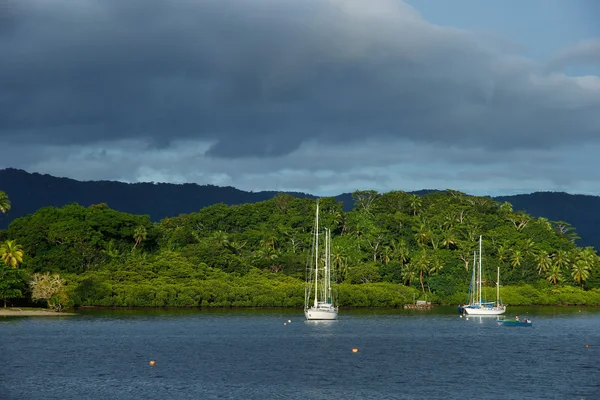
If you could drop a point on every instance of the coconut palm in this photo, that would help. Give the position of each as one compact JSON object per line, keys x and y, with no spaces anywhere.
{"x":4,"y":203}
{"x":588,"y":255}
{"x":580,"y":271}
{"x":11,"y":253}
{"x":543,"y":261}
{"x":506,"y":207}
{"x":436,"y":265}
{"x":516,"y":258}
{"x":561,"y":259}
{"x":422,"y":264}
{"x":139,"y":235}
{"x":502,"y":252}
{"x":448,"y":238}
{"x":554,"y":275}
{"x":339,"y":263}
{"x":409,"y":274}
{"x":415,"y":203}
{"x":423,"y":233}
{"x":386,"y":254}
{"x":528,"y":247}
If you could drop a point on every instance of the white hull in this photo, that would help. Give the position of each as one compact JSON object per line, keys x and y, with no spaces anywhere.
{"x":485,"y":310}
{"x":316,"y":314}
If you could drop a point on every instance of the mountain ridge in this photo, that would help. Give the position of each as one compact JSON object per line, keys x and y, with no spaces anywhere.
{"x":29,"y":192}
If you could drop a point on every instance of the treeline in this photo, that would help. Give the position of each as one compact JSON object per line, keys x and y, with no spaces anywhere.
{"x":390,"y":249}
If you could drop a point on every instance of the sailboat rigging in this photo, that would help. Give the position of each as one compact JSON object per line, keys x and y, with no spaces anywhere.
{"x":318,"y":280}
{"x":476,"y":305}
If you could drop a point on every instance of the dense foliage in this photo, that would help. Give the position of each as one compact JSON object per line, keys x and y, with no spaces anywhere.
{"x":390,"y":249}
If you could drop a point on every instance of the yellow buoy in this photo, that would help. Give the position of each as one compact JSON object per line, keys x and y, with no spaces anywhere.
{"x":354,"y":350}
{"x":152,"y":363}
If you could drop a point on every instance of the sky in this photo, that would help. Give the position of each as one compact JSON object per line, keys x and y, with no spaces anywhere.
{"x":316,"y":96}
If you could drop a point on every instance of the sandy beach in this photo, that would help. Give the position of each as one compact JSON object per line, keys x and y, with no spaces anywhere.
{"x":41,"y":312}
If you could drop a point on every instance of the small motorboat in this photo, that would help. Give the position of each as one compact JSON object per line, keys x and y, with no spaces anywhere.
{"x":515,"y":322}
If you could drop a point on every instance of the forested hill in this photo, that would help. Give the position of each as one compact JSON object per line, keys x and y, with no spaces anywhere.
{"x":31,"y":191}
{"x":389,"y":249}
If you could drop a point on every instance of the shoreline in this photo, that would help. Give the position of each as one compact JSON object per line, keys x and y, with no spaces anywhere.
{"x":41,"y":312}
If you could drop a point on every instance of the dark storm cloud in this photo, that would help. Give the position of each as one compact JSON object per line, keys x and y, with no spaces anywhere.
{"x":259,"y":77}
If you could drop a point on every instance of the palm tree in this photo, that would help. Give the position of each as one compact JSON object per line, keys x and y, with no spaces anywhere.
{"x":270,"y":239}
{"x":409,"y":274}
{"x":436,"y":265}
{"x":4,"y":203}
{"x":506,"y":207}
{"x":339,"y":263}
{"x":423,"y":233}
{"x":448,"y":238}
{"x":270,"y":256}
{"x":580,"y":271}
{"x":502,"y":252}
{"x":403,"y":254}
{"x":529,"y":247}
{"x":11,"y":253}
{"x":339,"y":220}
{"x":561,"y":259}
{"x":554,"y":275}
{"x":588,"y":255}
{"x":516,"y":258}
{"x":415,"y":203}
{"x":422,"y":265}
{"x":543,"y":260}
{"x":139,"y":234}
{"x":386,"y":255}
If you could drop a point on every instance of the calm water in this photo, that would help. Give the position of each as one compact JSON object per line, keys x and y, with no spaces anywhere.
{"x":251,"y":354}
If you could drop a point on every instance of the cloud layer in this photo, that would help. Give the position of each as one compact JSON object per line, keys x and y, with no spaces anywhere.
{"x":317,"y":95}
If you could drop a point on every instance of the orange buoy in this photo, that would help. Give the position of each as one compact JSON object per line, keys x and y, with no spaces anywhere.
{"x":354,"y":350}
{"x":152,"y":363}
{"x":587,"y":345}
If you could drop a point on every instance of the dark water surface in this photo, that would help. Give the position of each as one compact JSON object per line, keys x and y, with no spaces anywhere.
{"x":251,"y":354}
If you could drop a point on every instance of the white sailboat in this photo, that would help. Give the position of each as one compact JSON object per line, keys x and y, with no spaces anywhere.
{"x":319,"y":302}
{"x":477,"y":306}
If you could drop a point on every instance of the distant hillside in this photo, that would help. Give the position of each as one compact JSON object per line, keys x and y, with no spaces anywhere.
{"x":581,"y":211}
{"x":29,"y":192}
{"x":32,"y":191}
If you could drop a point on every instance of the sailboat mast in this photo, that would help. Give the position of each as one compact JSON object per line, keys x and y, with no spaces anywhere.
{"x":498,"y":288}
{"x":473,"y":298}
{"x":330,"y":297}
{"x":480,"y":270}
{"x":326,"y":275}
{"x":316,"y":254}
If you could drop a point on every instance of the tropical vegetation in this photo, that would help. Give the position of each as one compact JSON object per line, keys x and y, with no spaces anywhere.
{"x":390,"y":249}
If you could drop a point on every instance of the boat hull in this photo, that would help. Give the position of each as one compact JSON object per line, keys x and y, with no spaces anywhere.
{"x":316,"y":314}
{"x":484,"y":310}
{"x":515,"y":323}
